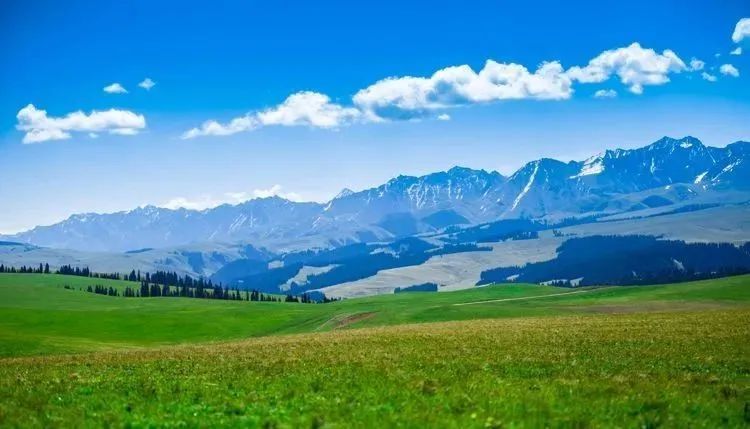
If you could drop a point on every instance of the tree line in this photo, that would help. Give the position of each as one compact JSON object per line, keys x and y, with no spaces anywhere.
{"x":153,"y":290}
{"x":628,"y":260}
{"x":165,"y":284}
{"x":147,"y":290}
{"x":65,"y":270}
{"x":41,"y":269}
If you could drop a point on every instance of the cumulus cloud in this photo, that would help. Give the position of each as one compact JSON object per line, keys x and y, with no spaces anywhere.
{"x":124,"y":131}
{"x":205,"y":201}
{"x":696,"y":64}
{"x":301,"y":109}
{"x":214,"y":128}
{"x":276,"y":191}
{"x":741,"y":30}
{"x":201,"y":202}
{"x":115,"y":88}
{"x":635,"y":66}
{"x":444,"y":117}
{"x":729,"y":70}
{"x":147,"y":84}
{"x":413,"y":97}
{"x":308,"y":108}
{"x":605,"y":93}
{"x":40,"y":127}
{"x":708,"y":77}
{"x":408,"y":97}
{"x":736,"y":51}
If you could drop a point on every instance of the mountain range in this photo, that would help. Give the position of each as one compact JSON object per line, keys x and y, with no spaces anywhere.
{"x":662,"y":173}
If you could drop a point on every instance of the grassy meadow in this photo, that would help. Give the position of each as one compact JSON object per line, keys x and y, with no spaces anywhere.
{"x":498,"y":356}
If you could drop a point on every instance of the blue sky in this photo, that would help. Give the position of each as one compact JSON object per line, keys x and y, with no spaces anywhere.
{"x":225,"y":60}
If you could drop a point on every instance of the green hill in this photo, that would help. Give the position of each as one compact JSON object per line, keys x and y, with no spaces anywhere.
{"x":498,"y":356}
{"x":38,"y":315}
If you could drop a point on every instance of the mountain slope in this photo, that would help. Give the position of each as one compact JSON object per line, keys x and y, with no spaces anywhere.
{"x":612,"y":182}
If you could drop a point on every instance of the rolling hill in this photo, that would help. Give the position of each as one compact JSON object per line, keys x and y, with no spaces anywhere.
{"x":39,"y":316}
{"x":488,"y":356}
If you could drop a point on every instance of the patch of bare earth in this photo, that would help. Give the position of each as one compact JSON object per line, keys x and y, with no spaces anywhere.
{"x":352,"y":319}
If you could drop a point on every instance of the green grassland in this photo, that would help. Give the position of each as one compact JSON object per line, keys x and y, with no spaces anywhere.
{"x":684,"y":369}
{"x":39,"y":316}
{"x":498,"y":356}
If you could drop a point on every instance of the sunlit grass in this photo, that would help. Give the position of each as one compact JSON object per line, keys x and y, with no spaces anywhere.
{"x":684,"y":369}
{"x":39,"y":316}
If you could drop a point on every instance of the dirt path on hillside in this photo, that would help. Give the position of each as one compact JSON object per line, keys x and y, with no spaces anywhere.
{"x":524,"y":298}
{"x":343,"y":320}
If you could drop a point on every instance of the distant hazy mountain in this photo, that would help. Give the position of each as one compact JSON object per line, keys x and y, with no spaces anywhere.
{"x":462,"y":190}
{"x":611,"y":182}
{"x":159,"y":227}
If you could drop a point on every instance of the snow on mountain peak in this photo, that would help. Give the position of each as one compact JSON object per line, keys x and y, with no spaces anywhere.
{"x":540,"y":188}
{"x":590,"y":167}
{"x":526,"y":188}
{"x":344,"y":193}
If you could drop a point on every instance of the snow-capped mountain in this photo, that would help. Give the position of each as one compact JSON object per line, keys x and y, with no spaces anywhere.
{"x":662,"y":163}
{"x":159,"y":227}
{"x":541,"y":187}
{"x":458,"y":189}
{"x":667,"y":171}
{"x":732,"y":169}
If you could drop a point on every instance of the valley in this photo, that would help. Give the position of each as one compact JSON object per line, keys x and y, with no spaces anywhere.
{"x":446,"y":228}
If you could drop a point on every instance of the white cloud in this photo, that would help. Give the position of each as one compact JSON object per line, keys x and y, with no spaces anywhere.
{"x":736,"y":51}
{"x":39,"y":127}
{"x":124,"y":131}
{"x":605,"y":93}
{"x":147,"y":84}
{"x":729,"y":70}
{"x":276,"y":191}
{"x":205,"y":201}
{"x":200,"y":203}
{"x":300,"y":109}
{"x":634,"y":65}
{"x":308,"y":108}
{"x":94,"y":135}
{"x":696,"y":64}
{"x":408,"y":97}
{"x":444,"y":117}
{"x":708,"y":77}
{"x":115,"y":88}
{"x":741,"y":30}
{"x":213,"y":128}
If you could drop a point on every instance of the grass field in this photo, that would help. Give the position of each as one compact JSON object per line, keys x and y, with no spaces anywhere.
{"x":510,"y":356}
{"x":39,"y":316}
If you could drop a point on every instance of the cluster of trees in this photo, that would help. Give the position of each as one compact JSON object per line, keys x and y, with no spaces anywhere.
{"x":424,"y":287}
{"x":68,"y":270}
{"x":148,"y":289}
{"x":101,"y":290}
{"x":215,"y":292}
{"x":628,"y":260}
{"x":169,"y":278}
{"x":41,"y":269}
{"x":166,"y":283}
